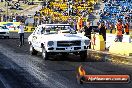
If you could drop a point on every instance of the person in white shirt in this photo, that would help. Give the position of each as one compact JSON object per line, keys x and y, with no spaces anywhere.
{"x":21,"y":33}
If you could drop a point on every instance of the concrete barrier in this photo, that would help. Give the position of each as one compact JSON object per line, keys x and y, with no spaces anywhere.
{"x":122,"y":48}
{"x":110,"y":38}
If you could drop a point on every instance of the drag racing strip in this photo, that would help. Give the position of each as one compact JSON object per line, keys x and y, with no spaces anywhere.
{"x":45,"y":77}
{"x":43,"y":71}
{"x":57,"y":72}
{"x":12,"y":75}
{"x":15,"y":35}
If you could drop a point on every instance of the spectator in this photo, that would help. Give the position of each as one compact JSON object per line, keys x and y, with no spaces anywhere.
{"x":44,"y":5}
{"x":75,"y":24}
{"x":59,"y":9}
{"x":127,"y":28}
{"x":21,"y":33}
{"x":111,"y":27}
{"x":88,"y":30}
{"x":119,"y":28}
{"x":4,"y":18}
{"x":102,"y":30}
{"x":14,"y":19}
{"x":80,"y":23}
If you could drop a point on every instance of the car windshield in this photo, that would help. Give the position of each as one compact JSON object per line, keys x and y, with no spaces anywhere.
{"x":58,"y":29}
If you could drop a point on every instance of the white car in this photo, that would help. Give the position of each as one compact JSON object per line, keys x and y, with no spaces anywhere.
{"x":57,"y":39}
{"x":4,"y":32}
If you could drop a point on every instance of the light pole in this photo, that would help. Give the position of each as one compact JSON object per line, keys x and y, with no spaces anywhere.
{"x":7,"y":11}
{"x":68,"y":7}
{"x":6,"y":4}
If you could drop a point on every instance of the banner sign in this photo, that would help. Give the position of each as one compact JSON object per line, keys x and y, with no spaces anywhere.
{"x":12,"y":26}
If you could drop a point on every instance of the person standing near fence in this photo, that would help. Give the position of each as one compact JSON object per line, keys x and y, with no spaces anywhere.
{"x":111,"y":26}
{"x":102,"y":30}
{"x":21,"y":33}
{"x":80,"y":23}
{"x":119,"y":28}
{"x":87,"y":31}
{"x":126,"y":28}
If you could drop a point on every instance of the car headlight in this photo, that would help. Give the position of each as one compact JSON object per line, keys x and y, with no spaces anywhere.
{"x":50,"y":43}
{"x":86,"y":42}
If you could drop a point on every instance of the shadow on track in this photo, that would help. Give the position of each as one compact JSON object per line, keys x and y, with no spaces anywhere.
{"x":74,"y":58}
{"x":14,"y":74}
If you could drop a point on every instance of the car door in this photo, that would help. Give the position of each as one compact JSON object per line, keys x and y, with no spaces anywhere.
{"x":35,"y":38}
{"x":39,"y":37}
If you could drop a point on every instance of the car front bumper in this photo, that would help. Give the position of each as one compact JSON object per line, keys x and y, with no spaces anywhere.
{"x":67,"y":49}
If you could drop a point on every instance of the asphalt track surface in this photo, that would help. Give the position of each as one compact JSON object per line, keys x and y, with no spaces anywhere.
{"x":18,"y":69}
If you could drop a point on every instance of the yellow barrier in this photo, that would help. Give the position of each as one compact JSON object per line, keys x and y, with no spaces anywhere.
{"x":97,"y":42}
{"x":121,"y":48}
{"x":29,"y":29}
{"x":110,"y":38}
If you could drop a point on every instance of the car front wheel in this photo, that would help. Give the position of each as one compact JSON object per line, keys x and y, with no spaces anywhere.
{"x":33,"y":51}
{"x":83,"y":55}
{"x":6,"y":37}
{"x":44,"y":54}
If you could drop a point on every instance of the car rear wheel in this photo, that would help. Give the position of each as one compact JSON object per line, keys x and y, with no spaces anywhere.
{"x":83,"y":55}
{"x":33,"y":51}
{"x":45,"y":55}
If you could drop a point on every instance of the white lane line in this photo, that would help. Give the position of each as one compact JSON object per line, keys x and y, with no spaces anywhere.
{"x":4,"y":82}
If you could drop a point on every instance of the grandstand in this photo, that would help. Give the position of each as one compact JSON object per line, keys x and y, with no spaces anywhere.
{"x":120,"y":9}
{"x":64,"y":10}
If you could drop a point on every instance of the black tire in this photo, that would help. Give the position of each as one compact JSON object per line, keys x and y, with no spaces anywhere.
{"x":6,"y":37}
{"x":45,"y":55}
{"x":33,"y":51}
{"x":83,"y":55}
